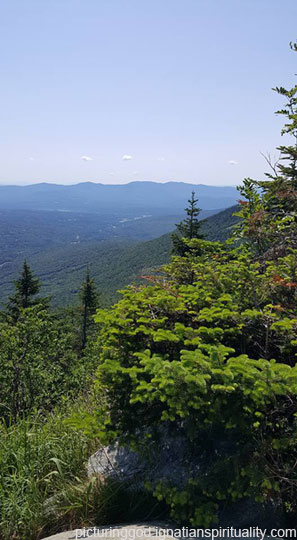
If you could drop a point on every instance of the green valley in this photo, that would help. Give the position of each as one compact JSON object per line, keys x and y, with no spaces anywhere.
{"x":61,"y":268}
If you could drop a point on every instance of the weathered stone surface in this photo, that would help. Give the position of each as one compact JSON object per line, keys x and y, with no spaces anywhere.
{"x":169,"y":459}
{"x":115,"y":461}
{"x":135,"y":531}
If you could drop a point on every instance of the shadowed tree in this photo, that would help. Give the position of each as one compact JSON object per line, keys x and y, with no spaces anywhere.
{"x":26,"y":289}
{"x":89,"y":303}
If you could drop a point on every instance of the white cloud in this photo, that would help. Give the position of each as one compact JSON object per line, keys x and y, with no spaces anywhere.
{"x":232,"y":162}
{"x":136,"y":172}
{"x":126,"y":157}
{"x":111,"y":174}
{"x":31,"y":159}
{"x":161,"y":159}
{"x":86,"y":158}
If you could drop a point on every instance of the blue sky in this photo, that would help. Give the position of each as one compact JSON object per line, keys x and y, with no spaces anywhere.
{"x":115,"y":91}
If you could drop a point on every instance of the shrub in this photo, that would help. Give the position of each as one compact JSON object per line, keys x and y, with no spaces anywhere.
{"x":197,"y":360}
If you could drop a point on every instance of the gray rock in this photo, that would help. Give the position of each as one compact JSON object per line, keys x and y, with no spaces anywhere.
{"x":115,"y":461}
{"x":171,"y":461}
{"x":168,"y":460}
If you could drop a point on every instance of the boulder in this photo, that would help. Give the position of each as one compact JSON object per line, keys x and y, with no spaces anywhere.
{"x":168,"y":460}
{"x":114,"y":461}
{"x":172,"y":464}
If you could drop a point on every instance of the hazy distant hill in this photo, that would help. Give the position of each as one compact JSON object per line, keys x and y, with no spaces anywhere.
{"x":135,"y":198}
{"x":114,"y":263}
{"x":60,"y":229}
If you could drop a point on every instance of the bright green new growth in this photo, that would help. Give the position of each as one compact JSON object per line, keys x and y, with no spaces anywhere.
{"x":197,"y":360}
{"x":207,"y":353}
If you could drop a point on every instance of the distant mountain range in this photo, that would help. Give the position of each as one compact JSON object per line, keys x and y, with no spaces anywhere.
{"x":128,"y":200}
{"x":118,"y":230}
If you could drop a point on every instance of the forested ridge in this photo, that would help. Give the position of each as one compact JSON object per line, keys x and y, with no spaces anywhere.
{"x":49,"y":242}
{"x":201,"y":353}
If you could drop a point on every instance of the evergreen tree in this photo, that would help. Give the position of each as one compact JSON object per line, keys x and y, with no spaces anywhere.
{"x":89,"y":303}
{"x":269,"y":210}
{"x":26,"y":288}
{"x":188,"y":228}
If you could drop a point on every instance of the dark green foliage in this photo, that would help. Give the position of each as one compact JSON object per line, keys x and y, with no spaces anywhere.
{"x":26,"y":288}
{"x":188,"y":228}
{"x":221,"y":226}
{"x":37,"y":363}
{"x":89,"y":301}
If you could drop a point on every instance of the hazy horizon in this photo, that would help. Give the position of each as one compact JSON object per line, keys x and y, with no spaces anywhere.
{"x":116,"y":184}
{"x":115,"y":91}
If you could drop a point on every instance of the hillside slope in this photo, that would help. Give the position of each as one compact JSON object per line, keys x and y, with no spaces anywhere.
{"x":114,"y":264}
{"x":27,"y":232}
